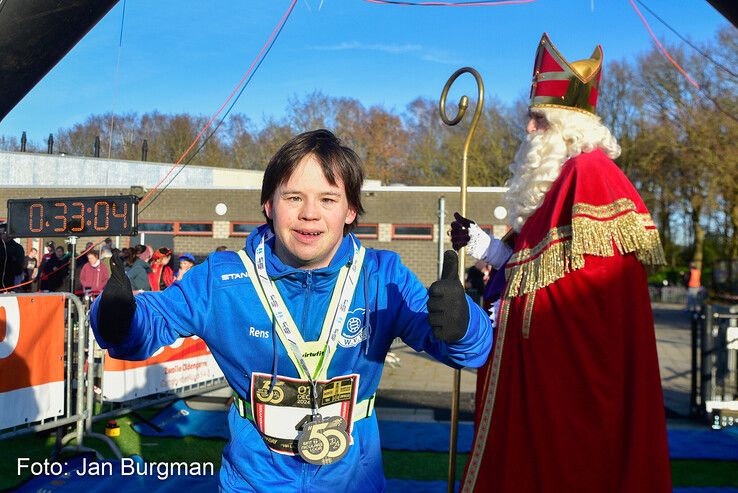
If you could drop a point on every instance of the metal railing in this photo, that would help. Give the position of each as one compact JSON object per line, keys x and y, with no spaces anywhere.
{"x":714,"y":386}
{"x":81,"y":368}
{"x":74,"y":379}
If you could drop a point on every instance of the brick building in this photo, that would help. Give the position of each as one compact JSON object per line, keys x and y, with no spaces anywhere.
{"x":205,"y":207}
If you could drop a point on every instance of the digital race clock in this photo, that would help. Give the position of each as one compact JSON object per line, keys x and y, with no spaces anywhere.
{"x":73,"y":216}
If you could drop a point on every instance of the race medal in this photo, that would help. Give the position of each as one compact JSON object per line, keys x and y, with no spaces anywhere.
{"x":282,"y":411}
{"x":323,"y":441}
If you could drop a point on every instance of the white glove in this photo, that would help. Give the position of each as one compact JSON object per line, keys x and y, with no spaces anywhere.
{"x":478,"y":242}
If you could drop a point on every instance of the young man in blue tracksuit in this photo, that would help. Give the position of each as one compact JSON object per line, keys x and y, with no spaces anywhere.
{"x":300,"y":322}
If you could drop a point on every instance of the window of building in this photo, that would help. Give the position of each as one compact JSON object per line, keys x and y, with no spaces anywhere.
{"x":154,"y":228}
{"x":195,"y":229}
{"x":243,"y":228}
{"x":412,"y":231}
{"x":367,"y":231}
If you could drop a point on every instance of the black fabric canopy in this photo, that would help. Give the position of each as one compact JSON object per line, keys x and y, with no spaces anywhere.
{"x":36,"y":34}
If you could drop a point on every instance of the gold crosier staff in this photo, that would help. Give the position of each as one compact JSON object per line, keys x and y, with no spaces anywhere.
{"x":463,"y":105}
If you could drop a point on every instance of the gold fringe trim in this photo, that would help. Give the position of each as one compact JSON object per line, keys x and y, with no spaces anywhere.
{"x":603,"y":211}
{"x":538,"y":270}
{"x":630,"y":234}
{"x":563,"y":249}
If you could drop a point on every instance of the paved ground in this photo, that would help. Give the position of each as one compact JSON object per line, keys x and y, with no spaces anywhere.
{"x":674,"y":341}
{"x":422,"y":385}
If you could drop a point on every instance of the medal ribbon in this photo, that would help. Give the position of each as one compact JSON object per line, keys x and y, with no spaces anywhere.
{"x":287,"y":327}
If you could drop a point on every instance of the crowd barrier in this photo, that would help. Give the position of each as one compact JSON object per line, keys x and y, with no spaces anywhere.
{"x":715,"y":363}
{"x":54,"y":376}
{"x":668,"y":294}
{"x":41,"y":367}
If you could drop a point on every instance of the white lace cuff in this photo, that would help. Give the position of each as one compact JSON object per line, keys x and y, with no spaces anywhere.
{"x":478,"y":242}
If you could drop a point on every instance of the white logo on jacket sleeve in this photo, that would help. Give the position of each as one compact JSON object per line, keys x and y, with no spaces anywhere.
{"x":234,"y":275}
{"x":354,"y":331}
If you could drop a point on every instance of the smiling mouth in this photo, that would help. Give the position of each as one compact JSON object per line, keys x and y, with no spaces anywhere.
{"x":308,"y":233}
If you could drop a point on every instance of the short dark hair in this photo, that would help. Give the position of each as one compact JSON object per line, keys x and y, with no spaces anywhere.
{"x":335,"y":159}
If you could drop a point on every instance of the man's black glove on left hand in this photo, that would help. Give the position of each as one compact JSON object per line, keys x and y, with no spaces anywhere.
{"x":117,"y":305}
{"x":448,"y":311}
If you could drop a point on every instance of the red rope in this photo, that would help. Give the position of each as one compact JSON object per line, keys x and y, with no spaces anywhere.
{"x":43,"y":276}
{"x":233,"y":93}
{"x":663,"y":50}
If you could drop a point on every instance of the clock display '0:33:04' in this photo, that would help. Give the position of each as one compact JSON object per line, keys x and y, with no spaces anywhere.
{"x":73,"y":216}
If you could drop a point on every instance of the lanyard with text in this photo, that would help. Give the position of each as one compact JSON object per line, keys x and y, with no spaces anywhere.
{"x":287,"y":326}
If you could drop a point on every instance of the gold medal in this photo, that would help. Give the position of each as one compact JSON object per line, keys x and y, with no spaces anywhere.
{"x":323,"y":441}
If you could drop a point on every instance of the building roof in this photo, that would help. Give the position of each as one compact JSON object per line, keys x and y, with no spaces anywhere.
{"x":35,"y":170}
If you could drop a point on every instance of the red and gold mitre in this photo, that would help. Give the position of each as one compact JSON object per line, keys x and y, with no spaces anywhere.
{"x":560,"y":84}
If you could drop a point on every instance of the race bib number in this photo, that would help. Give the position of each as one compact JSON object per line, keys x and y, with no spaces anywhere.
{"x":281,"y":415}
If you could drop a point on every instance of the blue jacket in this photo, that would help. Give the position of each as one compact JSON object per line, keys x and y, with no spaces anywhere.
{"x":221,"y":308}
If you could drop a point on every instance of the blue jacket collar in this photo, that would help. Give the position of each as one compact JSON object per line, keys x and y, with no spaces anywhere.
{"x":277,"y":269}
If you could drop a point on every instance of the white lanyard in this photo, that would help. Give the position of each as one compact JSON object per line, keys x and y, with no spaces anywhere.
{"x":287,"y":326}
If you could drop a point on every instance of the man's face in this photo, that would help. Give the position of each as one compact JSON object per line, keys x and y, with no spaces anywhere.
{"x":59,"y":252}
{"x":536,"y":123}
{"x":309,"y":215}
{"x":91,"y":258}
{"x":185,"y":264}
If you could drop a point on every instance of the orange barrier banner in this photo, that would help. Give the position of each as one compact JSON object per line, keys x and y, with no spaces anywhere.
{"x":186,"y":362}
{"x":31,"y":359}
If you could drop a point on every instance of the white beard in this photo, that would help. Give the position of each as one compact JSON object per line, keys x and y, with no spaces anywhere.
{"x":540,"y":157}
{"x":536,"y":166}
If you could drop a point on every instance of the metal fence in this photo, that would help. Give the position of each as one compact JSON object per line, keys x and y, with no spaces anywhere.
{"x":668,"y":294}
{"x":714,"y":392}
{"x":83,"y":382}
{"x":74,"y":365}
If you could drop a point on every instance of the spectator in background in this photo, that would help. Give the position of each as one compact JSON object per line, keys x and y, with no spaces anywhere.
{"x":137,"y":271}
{"x":50,"y":247}
{"x":221,"y":248}
{"x":94,"y":275}
{"x":55,"y":272}
{"x":108,"y":243}
{"x":476,"y":279}
{"x":144,"y":252}
{"x":12,"y":258}
{"x":161,"y":275}
{"x":49,"y":250}
{"x":105,"y":254}
{"x":186,"y":262}
{"x":30,"y":269}
{"x":694,"y":287}
{"x":82,"y":260}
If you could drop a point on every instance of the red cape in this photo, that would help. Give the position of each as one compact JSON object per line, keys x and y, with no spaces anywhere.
{"x":571,"y":400}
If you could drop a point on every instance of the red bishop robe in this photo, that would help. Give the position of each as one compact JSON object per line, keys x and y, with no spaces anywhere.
{"x":572,"y":401}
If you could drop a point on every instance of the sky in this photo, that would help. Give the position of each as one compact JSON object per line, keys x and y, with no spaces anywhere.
{"x":187,"y":56}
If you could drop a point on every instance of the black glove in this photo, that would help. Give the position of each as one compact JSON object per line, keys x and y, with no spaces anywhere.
{"x":448,"y":312}
{"x":117,"y":305}
{"x":460,"y":231}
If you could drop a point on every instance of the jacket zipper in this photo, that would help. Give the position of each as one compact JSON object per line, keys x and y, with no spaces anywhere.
{"x":308,"y":285}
